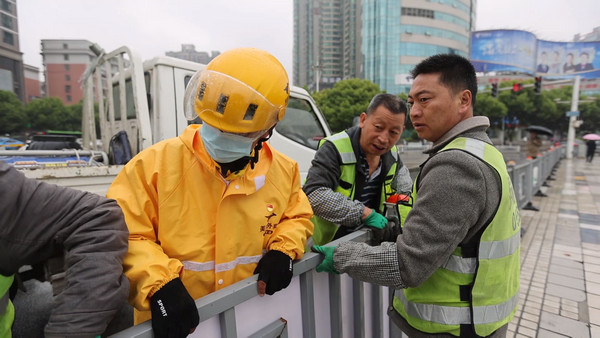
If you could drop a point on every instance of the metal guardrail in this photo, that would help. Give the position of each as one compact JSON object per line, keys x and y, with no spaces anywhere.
{"x":95,"y":157}
{"x":528,"y":177}
{"x":345,"y":302}
{"x":352,"y":308}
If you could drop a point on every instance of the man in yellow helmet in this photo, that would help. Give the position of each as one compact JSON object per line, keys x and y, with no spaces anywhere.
{"x":216,"y":204}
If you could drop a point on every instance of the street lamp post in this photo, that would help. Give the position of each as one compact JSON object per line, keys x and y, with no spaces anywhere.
{"x":573,"y":118}
{"x":317,"y":69}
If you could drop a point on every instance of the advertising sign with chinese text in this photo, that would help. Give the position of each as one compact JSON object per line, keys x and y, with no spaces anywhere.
{"x":503,"y":51}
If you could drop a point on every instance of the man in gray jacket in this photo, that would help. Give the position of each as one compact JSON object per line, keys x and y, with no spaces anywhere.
{"x":455,"y":267}
{"x":39,"y":220}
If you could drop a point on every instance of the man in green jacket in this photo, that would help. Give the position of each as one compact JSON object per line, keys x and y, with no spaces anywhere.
{"x":356,"y":170}
{"x":455,"y":267}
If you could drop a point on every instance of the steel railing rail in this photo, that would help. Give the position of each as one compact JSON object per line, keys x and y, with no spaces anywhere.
{"x":369,"y":302}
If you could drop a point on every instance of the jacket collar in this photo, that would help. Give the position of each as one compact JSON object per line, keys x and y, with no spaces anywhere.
{"x":473,"y":127}
{"x":386,"y":160}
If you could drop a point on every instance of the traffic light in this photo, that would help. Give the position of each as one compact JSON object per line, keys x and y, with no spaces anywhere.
{"x":517,"y":87}
{"x":494,"y":89}
{"x":538,"y":84}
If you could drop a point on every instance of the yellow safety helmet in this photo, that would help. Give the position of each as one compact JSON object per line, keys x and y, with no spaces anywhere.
{"x":244,"y":90}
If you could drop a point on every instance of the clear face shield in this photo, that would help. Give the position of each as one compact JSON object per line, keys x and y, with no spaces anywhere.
{"x":229,"y":104}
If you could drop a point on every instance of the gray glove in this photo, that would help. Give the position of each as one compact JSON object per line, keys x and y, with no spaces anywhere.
{"x":389,"y":233}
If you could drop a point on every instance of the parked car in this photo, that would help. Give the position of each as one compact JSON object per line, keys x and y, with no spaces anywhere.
{"x":54,"y":142}
{"x":8,"y":143}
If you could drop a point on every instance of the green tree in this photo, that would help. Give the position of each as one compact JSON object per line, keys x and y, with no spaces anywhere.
{"x":75,"y":113}
{"x":347,"y":99}
{"x":48,"y":113}
{"x":495,"y":110}
{"x":590,"y":114}
{"x":486,"y":105}
{"x":519,"y":104}
{"x":12,"y":113}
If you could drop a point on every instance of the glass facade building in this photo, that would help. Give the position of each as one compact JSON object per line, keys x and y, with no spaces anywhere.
{"x":380,"y":40}
{"x":11,"y":58}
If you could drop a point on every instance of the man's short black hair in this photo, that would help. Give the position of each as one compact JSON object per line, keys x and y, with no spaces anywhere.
{"x":392,"y":102}
{"x":457,"y":73}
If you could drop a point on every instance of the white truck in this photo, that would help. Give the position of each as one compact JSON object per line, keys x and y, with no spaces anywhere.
{"x":146,"y":101}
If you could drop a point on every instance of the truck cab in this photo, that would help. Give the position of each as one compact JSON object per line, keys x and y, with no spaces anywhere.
{"x":146,"y":100}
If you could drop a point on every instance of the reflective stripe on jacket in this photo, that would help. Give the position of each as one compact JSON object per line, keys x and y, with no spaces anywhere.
{"x":186,"y":221}
{"x":7,"y":311}
{"x":477,"y":288}
{"x":325,"y":230}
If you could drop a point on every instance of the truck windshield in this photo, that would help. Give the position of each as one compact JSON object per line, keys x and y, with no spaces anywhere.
{"x":301,"y":123}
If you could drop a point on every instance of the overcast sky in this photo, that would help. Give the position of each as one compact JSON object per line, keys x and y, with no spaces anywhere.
{"x":152,"y":27}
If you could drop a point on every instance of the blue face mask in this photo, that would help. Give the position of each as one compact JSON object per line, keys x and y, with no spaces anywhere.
{"x":225,"y":147}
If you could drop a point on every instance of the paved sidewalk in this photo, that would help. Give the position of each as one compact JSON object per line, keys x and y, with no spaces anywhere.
{"x":560,"y":257}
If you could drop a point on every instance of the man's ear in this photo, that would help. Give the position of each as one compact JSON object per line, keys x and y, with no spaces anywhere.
{"x":466,"y":97}
{"x":362,"y":118}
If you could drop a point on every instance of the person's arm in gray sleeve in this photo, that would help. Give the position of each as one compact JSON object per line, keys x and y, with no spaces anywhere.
{"x":445,"y":211}
{"x":38,"y":220}
{"x":372,"y":264}
{"x":321,"y":182}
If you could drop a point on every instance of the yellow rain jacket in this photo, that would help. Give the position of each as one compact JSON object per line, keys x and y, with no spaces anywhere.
{"x":186,"y":221}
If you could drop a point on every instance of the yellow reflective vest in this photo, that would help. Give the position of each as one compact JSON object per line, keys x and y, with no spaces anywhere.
{"x":325,"y":230}
{"x":478,"y":290}
{"x":7,"y":311}
{"x":186,"y":221}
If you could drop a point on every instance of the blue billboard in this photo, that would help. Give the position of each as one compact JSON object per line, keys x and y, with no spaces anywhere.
{"x":565,"y":59}
{"x":503,"y":51}
{"x":507,"y":50}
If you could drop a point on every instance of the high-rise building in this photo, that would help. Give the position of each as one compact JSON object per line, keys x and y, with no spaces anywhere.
{"x":188,"y":52}
{"x":33,"y":88}
{"x":11,"y":58}
{"x":64,"y":63}
{"x":379,"y":40}
{"x":594,"y":35}
{"x":320,"y":47}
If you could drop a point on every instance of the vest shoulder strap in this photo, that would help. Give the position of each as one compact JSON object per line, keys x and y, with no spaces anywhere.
{"x":343,"y":144}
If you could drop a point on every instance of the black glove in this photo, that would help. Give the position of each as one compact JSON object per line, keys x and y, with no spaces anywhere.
{"x":174,"y":312}
{"x":275,"y":270}
{"x":389,"y":233}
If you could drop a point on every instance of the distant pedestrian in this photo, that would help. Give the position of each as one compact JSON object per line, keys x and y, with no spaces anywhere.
{"x":590,"y":150}
{"x":534,"y":143}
